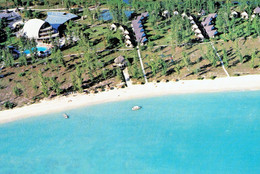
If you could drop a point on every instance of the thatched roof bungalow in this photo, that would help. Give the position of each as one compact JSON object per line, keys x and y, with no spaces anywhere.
{"x":120,"y":61}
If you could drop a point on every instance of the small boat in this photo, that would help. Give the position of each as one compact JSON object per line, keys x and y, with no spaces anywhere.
{"x":135,"y":108}
{"x":65,"y":116}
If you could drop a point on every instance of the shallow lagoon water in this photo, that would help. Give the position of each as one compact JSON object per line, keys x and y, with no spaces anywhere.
{"x":192,"y":133}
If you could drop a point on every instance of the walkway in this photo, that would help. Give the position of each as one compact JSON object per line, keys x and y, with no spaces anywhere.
{"x":222,"y":64}
{"x":142,"y":65}
{"x":127,"y":77}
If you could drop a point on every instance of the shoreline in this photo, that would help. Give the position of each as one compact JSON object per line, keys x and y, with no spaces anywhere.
{"x":73,"y":101}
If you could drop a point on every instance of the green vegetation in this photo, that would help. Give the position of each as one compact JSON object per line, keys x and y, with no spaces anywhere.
{"x":85,"y":62}
{"x":9,"y":105}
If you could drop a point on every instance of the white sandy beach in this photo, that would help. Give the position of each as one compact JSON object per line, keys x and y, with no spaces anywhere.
{"x":250,"y":82}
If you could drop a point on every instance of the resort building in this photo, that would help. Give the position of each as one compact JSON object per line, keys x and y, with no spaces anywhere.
{"x":194,"y":27}
{"x":39,"y":30}
{"x":199,"y":36}
{"x":120,"y":61}
{"x":129,"y":43}
{"x":208,"y":25}
{"x":56,"y":19}
{"x":175,"y":13}
{"x":183,"y":15}
{"x":202,"y":13}
{"x":113,"y":27}
{"x":233,"y":14}
{"x":13,"y":18}
{"x":257,"y":10}
{"x":244,"y":15}
{"x":166,"y":14}
{"x":138,"y":28}
{"x":125,"y":33}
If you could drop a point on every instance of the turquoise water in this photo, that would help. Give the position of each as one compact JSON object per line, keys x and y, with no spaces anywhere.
{"x":38,"y":49}
{"x":194,"y":133}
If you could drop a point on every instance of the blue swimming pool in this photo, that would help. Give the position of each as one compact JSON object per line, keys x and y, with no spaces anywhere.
{"x":38,"y":49}
{"x":107,"y":16}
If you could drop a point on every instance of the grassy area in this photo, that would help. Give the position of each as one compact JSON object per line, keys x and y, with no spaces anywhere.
{"x":26,"y":77}
{"x":200,"y":68}
{"x":246,"y":47}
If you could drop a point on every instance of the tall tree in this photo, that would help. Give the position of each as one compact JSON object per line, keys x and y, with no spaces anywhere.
{"x":43,"y":83}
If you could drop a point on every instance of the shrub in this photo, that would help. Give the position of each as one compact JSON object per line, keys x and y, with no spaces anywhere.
{"x":2,"y":87}
{"x":35,"y":98}
{"x":212,"y":77}
{"x":17,"y":91}
{"x":9,"y":105}
{"x":21,"y":74}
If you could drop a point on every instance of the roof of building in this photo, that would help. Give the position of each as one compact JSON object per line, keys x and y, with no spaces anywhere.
{"x":209,"y":28}
{"x":12,"y":17}
{"x":32,"y":27}
{"x":212,"y":33}
{"x":208,"y":19}
{"x":200,"y":36}
{"x":234,"y":12}
{"x":119,"y":60}
{"x":202,"y":12}
{"x":194,"y":26}
{"x":244,"y":14}
{"x":197,"y":31}
{"x":138,"y":27}
{"x":55,"y":19}
{"x":175,"y":12}
{"x":257,"y":10}
{"x":9,"y":14}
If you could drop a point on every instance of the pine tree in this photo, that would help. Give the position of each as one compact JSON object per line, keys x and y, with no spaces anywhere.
{"x":238,"y":53}
{"x":59,"y":57}
{"x":225,"y":58}
{"x":186,"y":60}
{"x":119,"y":74}
{"x":164,"y":66}
{"x":44,"y":87}
{"x":55,"y":85}
{"x":23,"y":60}
{"x":177,"y":68}
{"x":253,"y":56}
{"x":17,"y":91}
